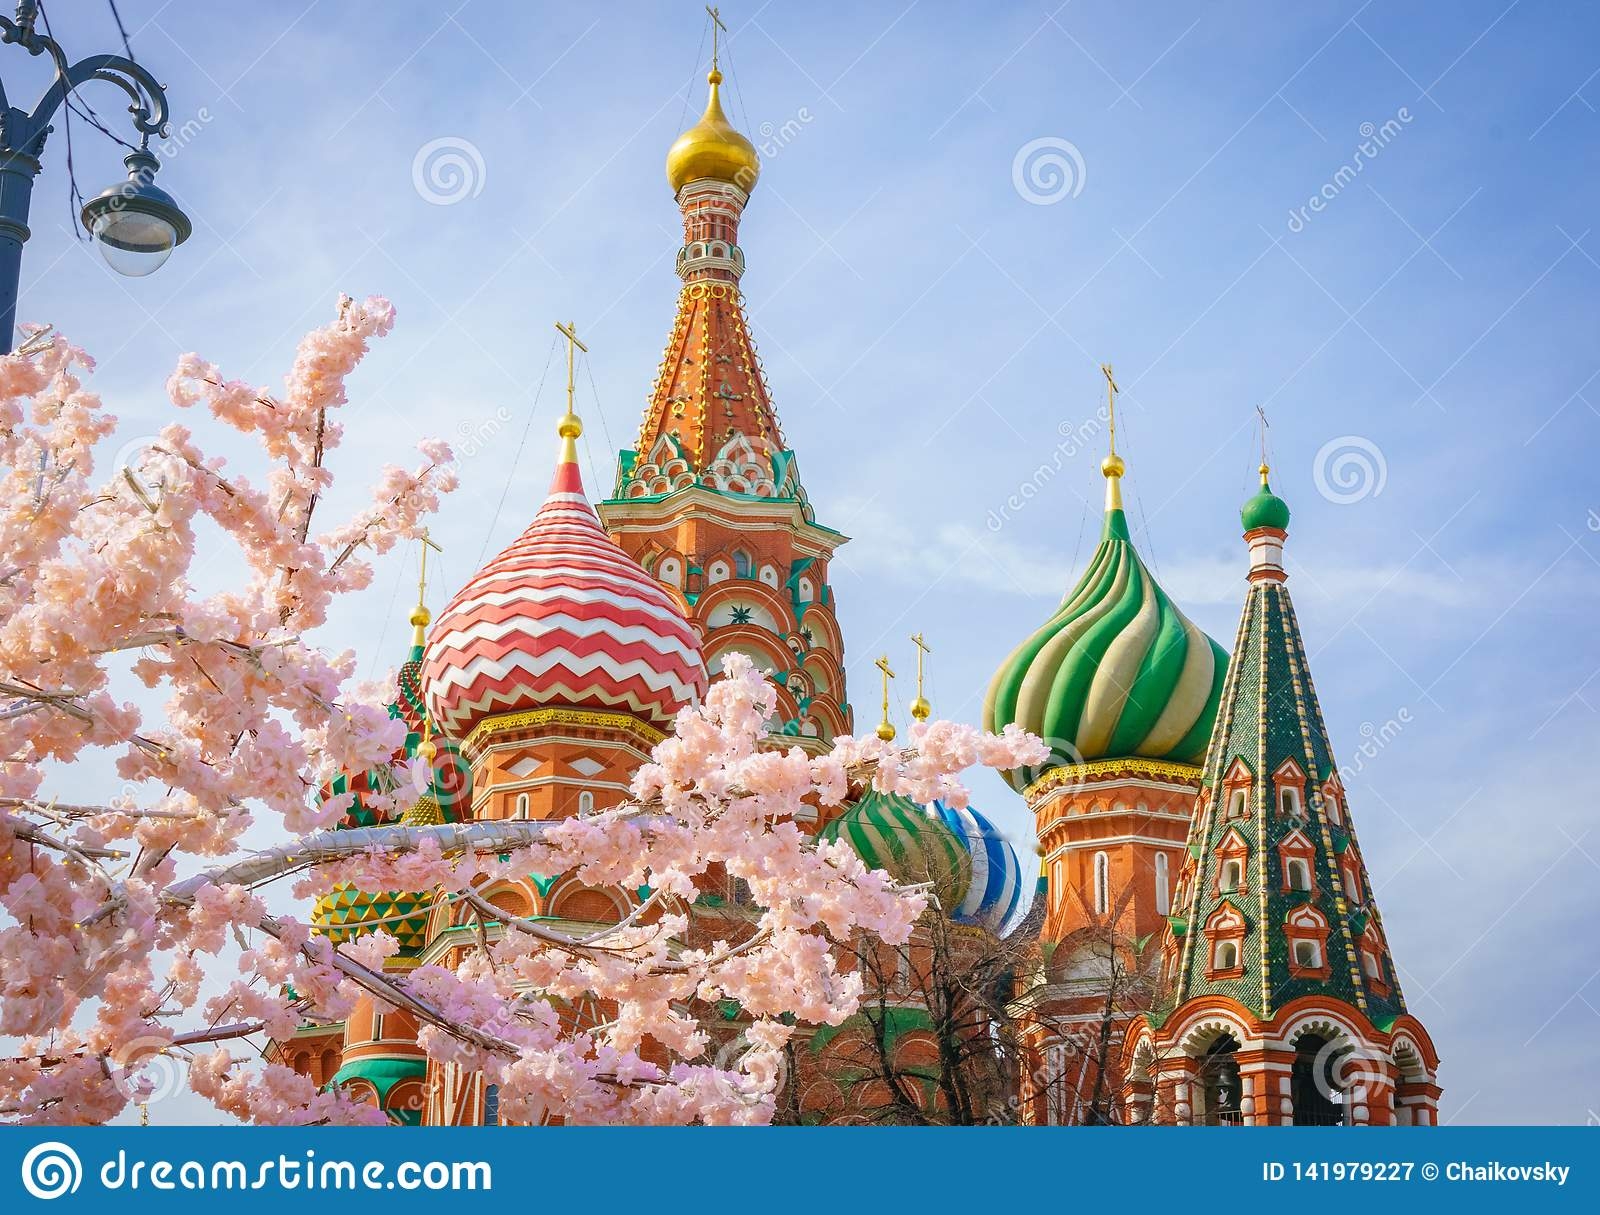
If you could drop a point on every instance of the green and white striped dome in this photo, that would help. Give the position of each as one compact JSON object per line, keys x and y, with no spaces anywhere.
{"x":1118,"y":671}
{"x":891,"y":832}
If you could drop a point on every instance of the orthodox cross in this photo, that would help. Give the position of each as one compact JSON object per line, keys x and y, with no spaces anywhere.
{"x":885,"y":728}
{"x":1111,"y":403}
{"x":717,"y":28}
{"x":1262,"y":414}
{"x":570,"y":332}
{"x":920,"y":708}
{"x":422,"y":576}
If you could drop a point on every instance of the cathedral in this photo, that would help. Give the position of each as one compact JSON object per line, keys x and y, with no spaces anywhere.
{"x":1201,"y":945}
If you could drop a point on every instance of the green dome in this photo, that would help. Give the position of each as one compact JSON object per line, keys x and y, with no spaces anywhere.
{"x":1118,"y":671}
{"x":891,"y":832}
{"x":1266,"y":509}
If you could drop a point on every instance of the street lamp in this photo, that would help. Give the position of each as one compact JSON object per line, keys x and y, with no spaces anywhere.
{"x":135,"y":223}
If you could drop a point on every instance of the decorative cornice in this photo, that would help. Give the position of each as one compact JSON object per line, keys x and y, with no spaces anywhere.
{"x":1103,"y":769}
{"x":594,"y":719}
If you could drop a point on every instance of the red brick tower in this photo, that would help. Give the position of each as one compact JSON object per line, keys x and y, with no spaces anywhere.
{"x":709,"y":500}
{"x":1124,"y":689}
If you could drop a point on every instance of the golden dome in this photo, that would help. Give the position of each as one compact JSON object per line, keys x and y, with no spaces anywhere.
{"x":713,"y":149}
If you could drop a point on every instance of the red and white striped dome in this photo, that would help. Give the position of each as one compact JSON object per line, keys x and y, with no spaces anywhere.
{"x":561,"y":617}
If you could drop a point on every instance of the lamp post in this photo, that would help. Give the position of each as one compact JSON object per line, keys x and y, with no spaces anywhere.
{"x":135,"y":223}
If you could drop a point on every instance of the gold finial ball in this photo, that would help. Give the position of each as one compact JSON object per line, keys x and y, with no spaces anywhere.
{"x":1038,"y":850}
{"x":886,"y":732}
{"x":1113,"y":466}
{"x":421,"y":617}
{"x":1264,"y":470}
{"x":427,"y":749}
{"x":714,"y":76}
{"x":921,"y":709}
{"x":570,"y":427}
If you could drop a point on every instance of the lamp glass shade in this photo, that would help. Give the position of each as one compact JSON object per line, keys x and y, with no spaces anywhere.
{"x":132,"y":241}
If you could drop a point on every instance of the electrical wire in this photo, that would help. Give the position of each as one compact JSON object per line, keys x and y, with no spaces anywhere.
{"x":688,"y":85}
{"x":538,"y":394}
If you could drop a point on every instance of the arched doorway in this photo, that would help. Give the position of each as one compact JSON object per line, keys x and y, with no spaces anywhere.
{"x":1315,"y":1085}
{"x":1220,"y":1085}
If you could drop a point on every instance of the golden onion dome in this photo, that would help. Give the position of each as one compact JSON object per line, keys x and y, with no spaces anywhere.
{"x":713,"y":148}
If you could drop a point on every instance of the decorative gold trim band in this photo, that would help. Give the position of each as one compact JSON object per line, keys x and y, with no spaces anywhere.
{"x":715,"y":290}
{"x":505,"y":723}
{"x":1074,"y":774}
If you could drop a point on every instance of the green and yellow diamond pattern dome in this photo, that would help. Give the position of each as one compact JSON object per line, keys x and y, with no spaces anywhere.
{"x":891,"y":832}
{"x":1118,"y":671}
{"x":345,"y":913}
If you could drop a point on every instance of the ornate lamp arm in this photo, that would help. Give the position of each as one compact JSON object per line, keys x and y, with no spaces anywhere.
{"x":26,"y":132}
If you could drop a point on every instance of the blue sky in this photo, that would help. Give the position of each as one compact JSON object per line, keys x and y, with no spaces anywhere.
{"x":931,"y":336}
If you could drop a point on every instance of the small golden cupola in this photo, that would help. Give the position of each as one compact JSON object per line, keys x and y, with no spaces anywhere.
{"x":713,"y":149}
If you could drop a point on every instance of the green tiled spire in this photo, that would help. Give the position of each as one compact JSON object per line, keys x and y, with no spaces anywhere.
{"x":1269,"y":736}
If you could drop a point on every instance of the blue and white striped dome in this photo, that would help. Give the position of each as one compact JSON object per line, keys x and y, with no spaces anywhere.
{"x":995,"y":898}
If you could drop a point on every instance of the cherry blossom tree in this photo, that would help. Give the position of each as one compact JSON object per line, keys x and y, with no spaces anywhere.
{"x":137,"y":925}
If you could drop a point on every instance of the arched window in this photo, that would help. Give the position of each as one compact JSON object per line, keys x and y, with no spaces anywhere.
{"x":1307,"y":954}
{"x":1352,"y":882}
{"x":522,"y":806}
{"x":1102,"y":883}
{"x":491,"y":1105}
{"x":1220,"y":1084}
{"x":1299,"y":875}
{"x":1236,"y":804}
{"x":1289,"y":801}
{"x":1226,"y":955}
{"x":1232,"y":876}
{"x":1314,"y":1082}
{"x":1163,"y":891}
{"x":585,"y":804}
{"x":741,"y":564}
{"x":1055,"y":1085}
